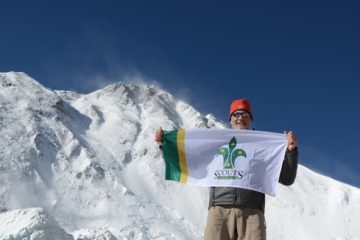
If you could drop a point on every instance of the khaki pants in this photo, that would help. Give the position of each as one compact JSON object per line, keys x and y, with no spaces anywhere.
{"x":225,"y":223}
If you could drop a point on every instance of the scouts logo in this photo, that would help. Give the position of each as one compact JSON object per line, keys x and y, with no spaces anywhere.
{"x":230,"y":153}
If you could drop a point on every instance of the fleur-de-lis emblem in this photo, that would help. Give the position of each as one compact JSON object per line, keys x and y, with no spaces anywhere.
{"x":230,"y":154}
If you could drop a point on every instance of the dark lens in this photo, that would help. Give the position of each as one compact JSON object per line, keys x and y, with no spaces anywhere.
{"x":236,"y":114}
{"x":245,"y":115}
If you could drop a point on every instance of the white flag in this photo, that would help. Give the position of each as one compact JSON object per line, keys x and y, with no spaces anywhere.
{"x":225,"y":157}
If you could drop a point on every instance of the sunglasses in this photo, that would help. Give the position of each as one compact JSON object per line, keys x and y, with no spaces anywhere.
{"x":242,"y":114}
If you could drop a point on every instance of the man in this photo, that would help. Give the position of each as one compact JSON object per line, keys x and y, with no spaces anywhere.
{"x":236,"y":213}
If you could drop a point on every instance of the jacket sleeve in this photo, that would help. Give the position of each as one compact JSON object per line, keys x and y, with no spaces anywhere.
{"x":289,"y":167}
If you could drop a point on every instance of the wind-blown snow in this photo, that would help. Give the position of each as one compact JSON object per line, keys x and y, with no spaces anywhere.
{"x":91,"y":162}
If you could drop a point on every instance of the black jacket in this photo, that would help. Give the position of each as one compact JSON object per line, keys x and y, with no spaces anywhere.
{"x":239,"y":197}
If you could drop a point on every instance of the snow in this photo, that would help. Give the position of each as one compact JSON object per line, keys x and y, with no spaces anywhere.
{"x":32,"y":223}
{"x":87,"y":165}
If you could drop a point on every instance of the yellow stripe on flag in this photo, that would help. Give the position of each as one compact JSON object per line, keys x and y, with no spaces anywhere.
{"x":181,"y":153}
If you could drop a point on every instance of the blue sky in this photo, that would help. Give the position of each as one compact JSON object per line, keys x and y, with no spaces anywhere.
{"x":297,"y":62}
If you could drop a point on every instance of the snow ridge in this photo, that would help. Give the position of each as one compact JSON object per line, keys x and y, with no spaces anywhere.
{"x":31,"y":223}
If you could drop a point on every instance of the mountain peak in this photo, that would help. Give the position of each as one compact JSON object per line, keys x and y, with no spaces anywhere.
{"x":18,"y":80}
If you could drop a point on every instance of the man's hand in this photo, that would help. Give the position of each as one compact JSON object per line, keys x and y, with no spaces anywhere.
{"x":292,"y":141}
{"x":158,"y":136}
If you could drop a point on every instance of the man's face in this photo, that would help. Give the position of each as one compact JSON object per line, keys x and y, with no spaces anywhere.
{"x":240,"y":120}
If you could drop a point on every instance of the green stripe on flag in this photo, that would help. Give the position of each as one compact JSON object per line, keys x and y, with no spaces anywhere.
{"x":171,"y":156}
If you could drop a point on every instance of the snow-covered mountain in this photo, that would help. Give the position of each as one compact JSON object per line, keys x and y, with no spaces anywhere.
{"x":87,"y":165}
